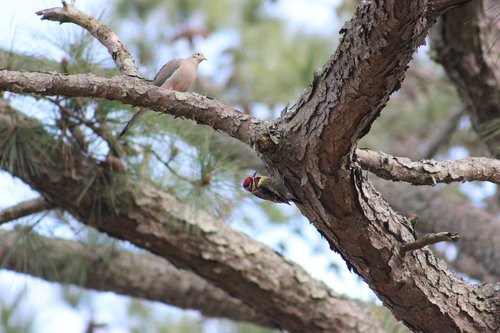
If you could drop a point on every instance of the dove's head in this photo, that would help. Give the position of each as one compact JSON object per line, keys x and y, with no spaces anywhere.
{"x":198,"y":56}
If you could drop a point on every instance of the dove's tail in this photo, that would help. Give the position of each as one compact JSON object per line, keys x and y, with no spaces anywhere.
{"x":138,"y":115}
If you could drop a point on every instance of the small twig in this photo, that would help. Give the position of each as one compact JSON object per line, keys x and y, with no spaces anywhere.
{"x":430,"y":239}
{"x":69,"y":13}
{"x":24,"y":208}
{"x":66,"y":111}
{"x":100,"y":131}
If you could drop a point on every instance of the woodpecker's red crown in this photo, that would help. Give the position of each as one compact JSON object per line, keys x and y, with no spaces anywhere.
{"x":247,"y":183}
{"x":250,"y":183}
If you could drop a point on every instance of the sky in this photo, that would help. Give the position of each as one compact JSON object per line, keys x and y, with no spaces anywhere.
{"x":22,"y":30}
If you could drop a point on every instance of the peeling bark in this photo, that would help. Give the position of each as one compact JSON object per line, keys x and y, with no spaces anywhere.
{"x":429,"y":172}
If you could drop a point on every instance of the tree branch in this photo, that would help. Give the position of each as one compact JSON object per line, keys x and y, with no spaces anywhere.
{"x":156,"y":221}
{"x":119,"y":53}
{"x":346,"y":96}
{"x":444,"y":209}
{"x":430,"y":239}
{"x":474,"y":265}
{"x":429,"y":172}
{"x":24,"y":208}
{"x":131,"y":274}
{"x":136,"y":92}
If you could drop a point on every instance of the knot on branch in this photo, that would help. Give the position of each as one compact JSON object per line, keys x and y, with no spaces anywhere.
{"x":266,"y":144}
{"x":269,"y":141}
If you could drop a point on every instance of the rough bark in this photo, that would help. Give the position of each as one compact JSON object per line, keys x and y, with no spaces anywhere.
{"x":429,"y":172}
{"x":311,"y":148}
{"x":127,"y":273}
{"x":154,"y":220}
{"x":315,"y":160}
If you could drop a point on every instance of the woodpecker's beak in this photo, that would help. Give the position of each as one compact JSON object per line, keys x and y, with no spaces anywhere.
{"x":255,"y":173}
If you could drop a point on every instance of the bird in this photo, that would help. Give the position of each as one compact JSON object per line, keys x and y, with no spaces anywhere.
{"x":268,"y":188}
{"x":177,"y":74}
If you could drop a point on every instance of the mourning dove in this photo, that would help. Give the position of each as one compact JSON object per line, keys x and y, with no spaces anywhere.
{"x":177,"y":74}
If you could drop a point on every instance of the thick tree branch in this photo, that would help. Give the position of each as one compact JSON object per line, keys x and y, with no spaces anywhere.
{"x":467,"y":44}
{"x":350,"y":91}
{"x":136,"y":92}
{"x":156,"y":221}
{"x":23,"y":209}
{"x":131,"y":274}
{"x":119,"y":53}
{"x":429,"y":172}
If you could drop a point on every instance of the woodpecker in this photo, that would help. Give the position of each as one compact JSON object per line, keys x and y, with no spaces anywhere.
{"x":268,"y":188}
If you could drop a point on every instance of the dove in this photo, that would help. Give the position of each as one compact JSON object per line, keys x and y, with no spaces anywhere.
{"x":178,"y":75}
